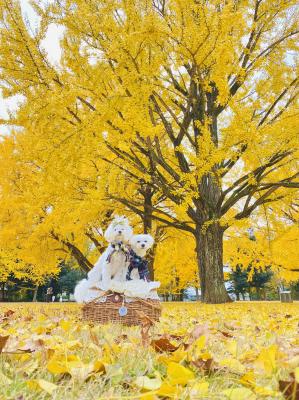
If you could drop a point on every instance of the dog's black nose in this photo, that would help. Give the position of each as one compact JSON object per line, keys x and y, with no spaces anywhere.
{"x":143,"y":245}
{"x":119,"y":232}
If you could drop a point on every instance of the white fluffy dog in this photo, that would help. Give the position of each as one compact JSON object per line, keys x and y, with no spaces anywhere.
{"x":137,"y":283}
{"x":140,"y":244}
{"x":112,"y":264}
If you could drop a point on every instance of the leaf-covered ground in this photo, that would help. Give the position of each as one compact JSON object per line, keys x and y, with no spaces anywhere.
{"x":237,"y":351}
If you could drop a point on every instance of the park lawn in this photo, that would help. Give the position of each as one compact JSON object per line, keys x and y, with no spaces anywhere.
{"x":233,"y":351}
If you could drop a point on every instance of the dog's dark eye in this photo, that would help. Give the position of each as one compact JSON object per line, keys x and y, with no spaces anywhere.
{"x":145,"y":241}
{"x":138,"y":241}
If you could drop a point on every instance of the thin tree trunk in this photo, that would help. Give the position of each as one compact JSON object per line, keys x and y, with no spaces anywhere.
{"x":2,"y":292}
{"x":82,"y":261}
{"x":264,"y":293}
{"x":35,"y":294}
{"x":258,"y":293}
{"x":209,"y":250}
{"x":182,"y":295}
{"x":197,"y":293}
{"x":250,"y":294}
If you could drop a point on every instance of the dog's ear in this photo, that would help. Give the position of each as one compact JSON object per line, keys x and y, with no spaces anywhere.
{"x":120,"y":219}
{"x":132,"y":240}
{"x":108,"y":234}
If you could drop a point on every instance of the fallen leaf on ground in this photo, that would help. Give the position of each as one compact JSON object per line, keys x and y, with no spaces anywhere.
{"x":36,"y":384}
{"x":239,"y":394}
{"x":3,"y":340}
{"x":163,"y":345}
{"x":146,"y":383}
{"x":177,"y":374}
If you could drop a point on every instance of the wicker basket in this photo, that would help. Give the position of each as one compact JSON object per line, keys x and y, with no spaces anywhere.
{"x":116,"y":308}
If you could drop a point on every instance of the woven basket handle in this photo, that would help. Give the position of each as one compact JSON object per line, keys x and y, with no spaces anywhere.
{"x":98,"y":297}
{"x":157,"y":306}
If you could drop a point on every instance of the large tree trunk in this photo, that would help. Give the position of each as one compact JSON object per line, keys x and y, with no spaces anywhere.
{"x":209,"y":250}
{"x":147,"y":220}
{"x":147,"y":226}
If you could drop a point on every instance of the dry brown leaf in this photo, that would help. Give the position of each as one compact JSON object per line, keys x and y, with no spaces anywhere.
{"x":146,"y":324}
{"x":163,"y":345}
{"x":8,"y":313}
{"x":226,"y":334}
{"x":206,"y":366}
{"x":3,"y":340}
{"x":290,"y":389}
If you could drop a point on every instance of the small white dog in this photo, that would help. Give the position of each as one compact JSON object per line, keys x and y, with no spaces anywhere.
{"x":112,"y":264}
{"x":140,"y":244}
{"x":137,"y":277}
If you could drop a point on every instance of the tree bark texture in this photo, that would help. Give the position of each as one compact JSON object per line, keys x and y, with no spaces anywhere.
{"x":210,"y":255}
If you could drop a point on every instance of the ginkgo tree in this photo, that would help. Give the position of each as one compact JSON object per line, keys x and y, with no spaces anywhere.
{"x":200,"y":99}
{"x":194,"y":99}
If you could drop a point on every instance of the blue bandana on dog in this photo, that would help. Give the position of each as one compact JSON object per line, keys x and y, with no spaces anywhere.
{"x":140,"y":263}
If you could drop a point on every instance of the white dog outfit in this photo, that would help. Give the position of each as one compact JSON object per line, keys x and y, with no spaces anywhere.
{"x":112,"y":264}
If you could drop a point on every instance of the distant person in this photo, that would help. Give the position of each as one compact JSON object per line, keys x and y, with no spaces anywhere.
{"x":49,"y":294}
{"x":53,"y":298}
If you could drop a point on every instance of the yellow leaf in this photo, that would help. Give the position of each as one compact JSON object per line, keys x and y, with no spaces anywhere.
{"x":294,"y":362}
{"x":98,"y":366}
{"x":4,"y":380}
{"x":267,"y":359}
{"x":232,"y":346}
{"x":264,"y":391}
{"x":40,"y":330}
{"x":79,"y":370}
{"x":199,"y":344}
{"x":205,"y":356}
{"x":146,"y":383}
{"x":29,"y":367}
{"x":239,"y":394}
{"x":60,"y":364}
{"x":177,"y":356}
{"x":73,"y":345}
{"x":297,"y":374}
{"x":178,"y":374}
{"x":37,"y":384}
{"x":57,"y":367}
{"x":233,"y":365}
{"x":167,"y":390}
{"x":248,"y":378}
{"x":147,"y":396}
{"x":65,"y":325}
{"x":200,"y":388}
{"x":248,"y":356}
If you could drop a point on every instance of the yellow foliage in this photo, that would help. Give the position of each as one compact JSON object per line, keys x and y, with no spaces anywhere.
{"x":195,"y":101}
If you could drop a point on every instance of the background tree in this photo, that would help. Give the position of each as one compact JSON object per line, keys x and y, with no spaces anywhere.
{"x":239,"y":279}
{"x":244,"y":280}
{"x":197,"y":100}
